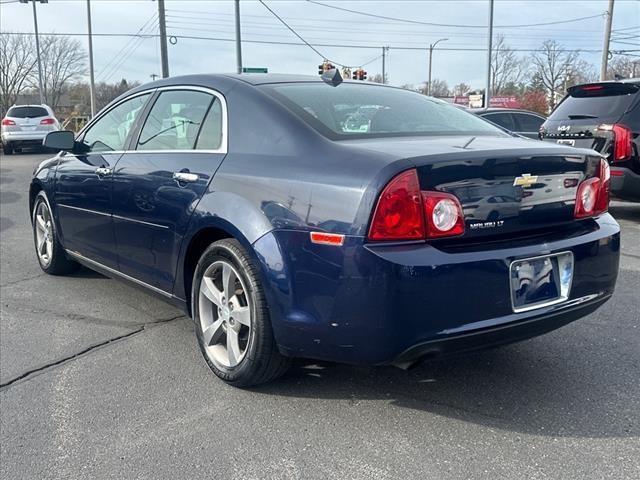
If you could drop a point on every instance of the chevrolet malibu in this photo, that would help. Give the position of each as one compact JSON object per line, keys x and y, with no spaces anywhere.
{"x":249,"y":202}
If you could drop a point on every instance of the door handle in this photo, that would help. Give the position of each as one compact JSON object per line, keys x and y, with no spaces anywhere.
{"x":101,"y":171}
{"x":185,"y":177}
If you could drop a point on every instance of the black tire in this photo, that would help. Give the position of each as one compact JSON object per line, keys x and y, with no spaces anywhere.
{"x":7,"y":149}
{"x":59,"y":263}
{"x":262,"y":362}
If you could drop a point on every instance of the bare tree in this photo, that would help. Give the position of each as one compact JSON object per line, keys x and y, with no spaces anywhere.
{"x":461,"y":89}
{"x":506,"y":67}
{"x":551,"y":62}
{"x":439,"y":88}
{"x":17,"y":62}
{"x":63,"y":61}
{"x":377,"y":78}
{"x":623,"y":67}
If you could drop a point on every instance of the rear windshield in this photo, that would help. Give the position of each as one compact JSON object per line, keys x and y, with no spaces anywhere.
{"x":27,"y":112}
{"x":596,"y":101}
{"x":363,"y":111}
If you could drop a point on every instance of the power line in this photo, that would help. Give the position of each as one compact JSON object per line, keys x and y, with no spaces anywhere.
{"x":292,"y":30}
{"x":126,"y":45}
{"x":186,"y":20}
{"x":418,"y":22}
{"x":331,"y":45}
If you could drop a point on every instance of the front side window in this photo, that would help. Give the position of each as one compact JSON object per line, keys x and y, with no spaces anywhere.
{"x":111,"y":131}
{"x":361,"y":111}
{"x":175,"y":120}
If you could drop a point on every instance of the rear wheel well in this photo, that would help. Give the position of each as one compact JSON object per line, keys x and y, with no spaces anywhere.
{"x":33,"y":193}
{"x":197,"y":246}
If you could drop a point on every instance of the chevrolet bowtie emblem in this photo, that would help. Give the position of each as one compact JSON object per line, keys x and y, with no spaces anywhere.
{"x":526,"y":180}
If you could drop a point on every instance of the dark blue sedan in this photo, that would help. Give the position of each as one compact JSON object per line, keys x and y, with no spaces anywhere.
{"x":359,"y":223}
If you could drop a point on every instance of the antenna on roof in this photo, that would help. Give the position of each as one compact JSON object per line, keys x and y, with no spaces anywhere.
{"x":332,"y":77}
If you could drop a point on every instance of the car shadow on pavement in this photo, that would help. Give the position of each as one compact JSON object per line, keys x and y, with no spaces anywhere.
{"x":513,"y":388}
{"x":626,"y":211}
{"x":84,"y":272}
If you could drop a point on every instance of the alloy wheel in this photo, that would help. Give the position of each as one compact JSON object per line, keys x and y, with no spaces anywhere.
{"x":225,"y":314}
{"x":44,"y":234}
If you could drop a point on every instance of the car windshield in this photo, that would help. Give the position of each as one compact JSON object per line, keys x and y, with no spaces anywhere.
{"x":596,"y":101}
{"x":362,"y":111}
{"x":27,"y":112}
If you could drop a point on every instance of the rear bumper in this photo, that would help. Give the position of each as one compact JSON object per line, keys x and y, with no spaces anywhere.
{"x":23,"y":138}
{"x":625,"y":183}
{"x":380,"y":304}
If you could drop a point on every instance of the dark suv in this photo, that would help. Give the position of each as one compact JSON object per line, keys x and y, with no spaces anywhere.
{"x":604,"y":116}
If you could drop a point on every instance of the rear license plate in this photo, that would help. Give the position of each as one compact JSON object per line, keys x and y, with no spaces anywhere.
{"x":567,"y":142}
{"x":28,"y":129}
{"x":540,"y":281}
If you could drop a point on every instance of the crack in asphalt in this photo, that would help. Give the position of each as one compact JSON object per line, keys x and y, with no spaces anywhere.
{"x":637,"y":257}
{"x":87,"y":318}
{"x":34,"y":371}
{"x":14,"y":282}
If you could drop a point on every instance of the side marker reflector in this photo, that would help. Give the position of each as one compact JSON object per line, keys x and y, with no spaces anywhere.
{"x":322,"y":238}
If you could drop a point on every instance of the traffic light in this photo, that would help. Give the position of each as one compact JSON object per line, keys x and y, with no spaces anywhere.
{"x":359,"y":74}
{"x":325,"y":66}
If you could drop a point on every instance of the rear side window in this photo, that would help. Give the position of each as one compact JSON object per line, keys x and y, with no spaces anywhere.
{"x":27,"y":112}
{"x":353,"y":110}
{"x":596,"y":101}
{"x":505,"y":120}
{"x":210,"y":137}
{"x":175,"y":120}
{"x":528,"y":123}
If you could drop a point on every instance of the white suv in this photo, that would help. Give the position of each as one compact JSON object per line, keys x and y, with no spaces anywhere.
{"x":26,"y":125}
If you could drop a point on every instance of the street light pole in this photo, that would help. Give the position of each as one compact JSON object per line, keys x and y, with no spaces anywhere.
{"x":238,"y":40}
{"x":35,"y":27}
{"x":487,"y":92}
{"x":431,"y":47}
{"x":384,"y":64}
{"x":92,"y":86}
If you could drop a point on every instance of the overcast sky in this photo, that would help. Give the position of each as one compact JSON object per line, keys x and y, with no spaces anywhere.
{"x":136,"y":58}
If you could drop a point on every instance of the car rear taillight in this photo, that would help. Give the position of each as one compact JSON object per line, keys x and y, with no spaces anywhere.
{"x":6,"y":121}
{"x":593,"y":194}
{"x":443,"y":213}
{"x":398,"y":215}
{"x":47,"y":121}
{"x":406,"y":213}
{"x":622,"y":141}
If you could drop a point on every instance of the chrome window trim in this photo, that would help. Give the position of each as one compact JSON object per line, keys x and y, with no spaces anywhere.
{"x":83,"y":209}
{"x":139,"y":221}
{"x":96,"y":212}
{"x":82,"y":258}
{"x":224,"y":140}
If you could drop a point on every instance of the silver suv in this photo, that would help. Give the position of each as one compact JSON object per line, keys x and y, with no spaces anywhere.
{"x":27,"y":125}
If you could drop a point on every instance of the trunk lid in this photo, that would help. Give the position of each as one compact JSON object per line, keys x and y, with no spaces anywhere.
{"x":506,"y":186}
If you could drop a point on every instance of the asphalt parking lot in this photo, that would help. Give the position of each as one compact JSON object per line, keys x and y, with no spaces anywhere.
{"x":99,"y":380}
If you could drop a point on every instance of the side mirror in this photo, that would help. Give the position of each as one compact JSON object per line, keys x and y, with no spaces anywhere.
{"x":60,"y":140}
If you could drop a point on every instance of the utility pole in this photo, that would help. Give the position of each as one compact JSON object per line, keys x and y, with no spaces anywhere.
{"x":92,"y":86}
{"x":163,"y":39}
{"x":35,"y":27}
{"x":384,"y":66}
{"x":238,"y":40}
{"x":607,"y":39}
{"x":487,"y":92}
{"x":431,"y":47}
